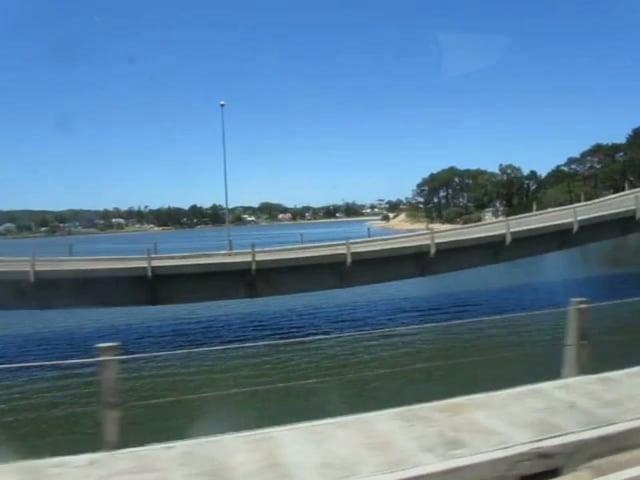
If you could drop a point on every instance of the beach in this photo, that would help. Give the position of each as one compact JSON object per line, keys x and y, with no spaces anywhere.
{"x":402,"y":222}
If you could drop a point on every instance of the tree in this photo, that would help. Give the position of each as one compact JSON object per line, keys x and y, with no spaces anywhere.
{"x":631,"y":158}
{"x":271,"y":210}
{"x":511,"y":187}
{"x":43,"y":221}
{"x":215,"y":214}
{"x":61,"y":218}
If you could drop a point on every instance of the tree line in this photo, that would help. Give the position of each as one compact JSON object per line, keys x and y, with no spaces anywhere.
{"x":28,"y":221}
{"x":454,"y":195}
{"x":450,"y":195}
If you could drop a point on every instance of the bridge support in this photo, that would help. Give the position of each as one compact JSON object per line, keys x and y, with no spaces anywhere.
{"x":149,"y":266}
{"x":253,"y":260}
{"x":432,"y":242}
{"x":348,"y":253}
{"x":32,"y":268}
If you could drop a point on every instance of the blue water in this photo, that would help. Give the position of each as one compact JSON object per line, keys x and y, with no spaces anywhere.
{"x":599,"y":272}
{"x":191,"y":240}
{"x":38,"y":404}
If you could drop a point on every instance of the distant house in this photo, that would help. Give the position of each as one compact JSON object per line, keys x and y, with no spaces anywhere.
{"x":373,"y":211}
{"x":8,"y":228}
{"x":118,"y":222}
{"x":489,"y":214}
{"x":285,"y":217}
{"x":493,"y":213}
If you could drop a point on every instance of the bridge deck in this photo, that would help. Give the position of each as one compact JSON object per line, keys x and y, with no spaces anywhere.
{"x":498,"y":435}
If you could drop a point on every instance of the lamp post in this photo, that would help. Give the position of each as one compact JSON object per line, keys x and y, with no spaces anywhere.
{"x":226,"y":188}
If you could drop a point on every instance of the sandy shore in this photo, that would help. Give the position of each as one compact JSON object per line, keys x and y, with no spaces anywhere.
{"x":401,"y":222}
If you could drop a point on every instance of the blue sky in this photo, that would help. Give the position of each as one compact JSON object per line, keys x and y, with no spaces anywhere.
{"x":114,"y":103}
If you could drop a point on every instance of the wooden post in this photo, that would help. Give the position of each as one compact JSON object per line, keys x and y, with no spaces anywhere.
{"x":301,"y":238}
{"x":576,"y":346}
{"x":110,"y":404}
{"x":155,"y":248}
{"x":535,"y":206}
{"x":71,"y":249}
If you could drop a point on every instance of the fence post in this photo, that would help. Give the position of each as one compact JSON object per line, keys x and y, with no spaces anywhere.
{"x":149,"y":265}
{"x":368,"y":232}
{"x":535,"y":206}
{"x":110,"y":405}
{"x":32,"y":267}
{"x":576,"y":346}
{"x":71,"y":249}
{"x":301,"y":238}
{"x":347,"y":245}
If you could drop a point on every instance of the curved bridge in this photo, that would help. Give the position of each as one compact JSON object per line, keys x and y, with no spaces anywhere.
{"x":60,"y":282}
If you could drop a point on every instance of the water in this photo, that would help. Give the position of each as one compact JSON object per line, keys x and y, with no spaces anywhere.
{"x":47,"y":411}
{"x":191,"y":240}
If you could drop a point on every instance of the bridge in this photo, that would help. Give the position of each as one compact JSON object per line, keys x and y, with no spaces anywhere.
{"x":59,"y":282}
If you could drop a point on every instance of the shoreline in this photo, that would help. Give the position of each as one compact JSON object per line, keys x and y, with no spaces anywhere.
{"x":401,"y":222}
{"x":76,"y":233}
{"x":410,"y":225}
{"x":82,"y":233}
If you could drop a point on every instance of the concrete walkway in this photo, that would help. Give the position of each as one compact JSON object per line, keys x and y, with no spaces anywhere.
{"x":555,"y":426}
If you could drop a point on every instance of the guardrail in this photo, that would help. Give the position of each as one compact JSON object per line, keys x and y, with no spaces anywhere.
{"x":575,"y":349}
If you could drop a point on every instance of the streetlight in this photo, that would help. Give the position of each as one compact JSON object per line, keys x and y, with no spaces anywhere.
{"x":226,"y":188}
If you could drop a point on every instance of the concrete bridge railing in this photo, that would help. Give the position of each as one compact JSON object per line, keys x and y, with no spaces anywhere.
{"x":574,"y":216}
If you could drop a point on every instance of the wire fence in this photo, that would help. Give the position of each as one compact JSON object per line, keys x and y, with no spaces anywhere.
{"x":166,"y":395}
